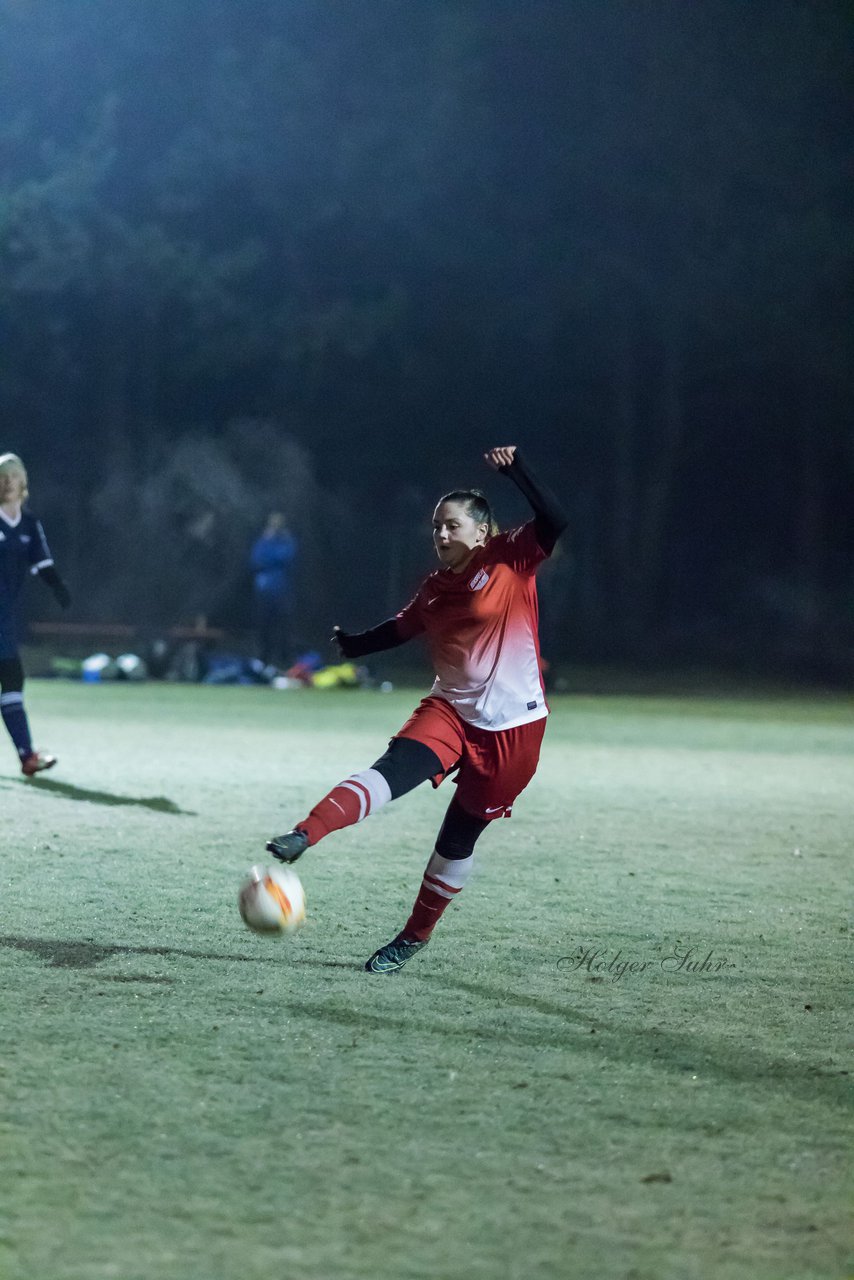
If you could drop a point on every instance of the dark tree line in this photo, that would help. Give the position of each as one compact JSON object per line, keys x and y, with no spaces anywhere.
{"x":364,"y":241}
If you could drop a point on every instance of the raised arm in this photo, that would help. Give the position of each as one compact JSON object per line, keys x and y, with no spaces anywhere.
{"x":550,"y":519}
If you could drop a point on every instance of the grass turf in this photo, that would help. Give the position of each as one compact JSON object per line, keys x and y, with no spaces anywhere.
{"x":181,"y":1099}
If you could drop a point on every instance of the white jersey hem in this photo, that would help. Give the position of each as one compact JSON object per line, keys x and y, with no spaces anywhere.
{"x":527,"y":717}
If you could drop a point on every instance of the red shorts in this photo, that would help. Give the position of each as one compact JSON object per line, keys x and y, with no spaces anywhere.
{"x":494,"y":765}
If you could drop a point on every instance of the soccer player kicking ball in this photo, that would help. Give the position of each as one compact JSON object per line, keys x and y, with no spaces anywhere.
{"x":23,"y":550}
{"x":486,"y":713}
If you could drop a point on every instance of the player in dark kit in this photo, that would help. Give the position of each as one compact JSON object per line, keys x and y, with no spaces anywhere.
{"x":485,"y":715}
{"x":23,"y":551}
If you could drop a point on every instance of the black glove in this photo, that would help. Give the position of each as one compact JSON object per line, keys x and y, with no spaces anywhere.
{"x":341,"y":640}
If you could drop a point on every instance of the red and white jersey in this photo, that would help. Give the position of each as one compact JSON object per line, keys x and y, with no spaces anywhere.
{"x":481,"y":629}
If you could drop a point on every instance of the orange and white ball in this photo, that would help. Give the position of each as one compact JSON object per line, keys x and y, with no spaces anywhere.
{"x":272,"y":900}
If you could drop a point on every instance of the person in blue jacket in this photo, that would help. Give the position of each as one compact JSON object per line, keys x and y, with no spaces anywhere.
{"x":23,"y":551}
{"x":272,"y":561}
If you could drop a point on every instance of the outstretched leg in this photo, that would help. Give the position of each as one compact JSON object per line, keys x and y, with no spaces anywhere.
{"x":447,"y":872}
{"x":405,"y":765}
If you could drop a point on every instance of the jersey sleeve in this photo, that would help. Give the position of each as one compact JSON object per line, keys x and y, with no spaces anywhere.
{"x":518,"y":548}
{"x":549,"y":517}
{"x":409,"y":620}
{"x":37,"y":550}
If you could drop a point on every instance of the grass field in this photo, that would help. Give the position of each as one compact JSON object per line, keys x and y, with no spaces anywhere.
{"x":180,"y":1099}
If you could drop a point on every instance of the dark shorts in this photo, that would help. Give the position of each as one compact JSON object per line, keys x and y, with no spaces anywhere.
{"x":494,"y":766}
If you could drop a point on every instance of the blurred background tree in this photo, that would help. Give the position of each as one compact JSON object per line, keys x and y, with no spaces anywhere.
{"x":364,"y":242}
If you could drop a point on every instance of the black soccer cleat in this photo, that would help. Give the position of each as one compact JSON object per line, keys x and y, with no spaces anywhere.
{"x":394,"y":954}
{"x":289,"y":847}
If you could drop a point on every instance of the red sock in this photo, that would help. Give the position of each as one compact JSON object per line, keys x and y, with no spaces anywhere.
{"x":349,"y":802}
{"x":443,"y":880}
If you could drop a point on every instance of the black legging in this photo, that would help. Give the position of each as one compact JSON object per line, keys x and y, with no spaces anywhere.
{"x":405,"y":765}
{"x":12,"y":676}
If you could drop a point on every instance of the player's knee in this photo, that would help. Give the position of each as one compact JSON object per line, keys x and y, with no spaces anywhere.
{"x":406,"y":764}
{"x":459,"y":833}
{"x":455,"y":848}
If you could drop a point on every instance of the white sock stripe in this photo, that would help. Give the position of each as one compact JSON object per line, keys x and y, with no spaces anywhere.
{"x":452,"y":873}
{"x":379,"y":792}
{"x":439,"y":886}
{"x":362,"y":796}
{"x":371,"y":788}
{"x":10,"y":699}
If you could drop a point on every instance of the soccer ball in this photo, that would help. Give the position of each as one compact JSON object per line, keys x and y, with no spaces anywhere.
{"x":272,"y":900}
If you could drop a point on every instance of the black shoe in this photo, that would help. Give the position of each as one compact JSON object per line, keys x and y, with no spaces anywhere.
{"x":289,"y":847}
{"x":394,"y":954}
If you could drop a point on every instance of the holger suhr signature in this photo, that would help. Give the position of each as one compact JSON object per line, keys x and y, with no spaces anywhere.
{"x":682,"y":959}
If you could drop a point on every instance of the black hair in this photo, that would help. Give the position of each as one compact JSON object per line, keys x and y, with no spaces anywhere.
{"x":476,"y":505}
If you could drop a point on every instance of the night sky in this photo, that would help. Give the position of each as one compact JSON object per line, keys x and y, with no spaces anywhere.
{"x":318,"y":256}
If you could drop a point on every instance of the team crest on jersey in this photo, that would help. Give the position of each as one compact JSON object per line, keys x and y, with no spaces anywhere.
{"x":25,"y":537}
{"x":479,"y":580}
{"x":2,"y":536}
